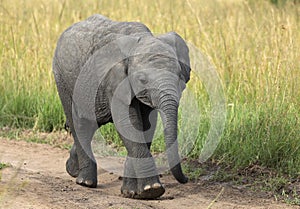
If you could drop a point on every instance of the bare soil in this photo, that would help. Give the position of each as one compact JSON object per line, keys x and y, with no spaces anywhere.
{"x":37,"y":179}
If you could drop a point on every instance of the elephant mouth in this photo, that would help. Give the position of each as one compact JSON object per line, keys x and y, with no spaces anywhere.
{"x":145,"y":98}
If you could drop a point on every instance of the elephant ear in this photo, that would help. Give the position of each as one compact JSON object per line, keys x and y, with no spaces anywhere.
{"x":108,"y":61}
{"x":113,"y":57}
{"x":181,"y":50}
{"x":127,"y":46}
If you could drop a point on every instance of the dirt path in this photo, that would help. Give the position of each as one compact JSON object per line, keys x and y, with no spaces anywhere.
{"x":37,"y":179}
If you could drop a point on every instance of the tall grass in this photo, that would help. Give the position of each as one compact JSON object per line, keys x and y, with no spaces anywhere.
{"x":253,"y":44}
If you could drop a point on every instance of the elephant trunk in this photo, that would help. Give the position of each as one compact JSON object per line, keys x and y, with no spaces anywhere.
{"x":168,"y":107}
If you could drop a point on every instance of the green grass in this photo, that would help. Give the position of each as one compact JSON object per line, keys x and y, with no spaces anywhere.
{"x":59,"y":139}
{"x":253,"y":44}
{"x":3,"y":165}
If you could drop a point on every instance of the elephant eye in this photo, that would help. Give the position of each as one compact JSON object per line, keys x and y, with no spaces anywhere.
{"x":141,"y":77}
{"x":143,"y":80}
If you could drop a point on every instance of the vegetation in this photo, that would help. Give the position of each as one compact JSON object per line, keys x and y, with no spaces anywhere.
{"x":253,"y":44}
{"x":3,"y":165}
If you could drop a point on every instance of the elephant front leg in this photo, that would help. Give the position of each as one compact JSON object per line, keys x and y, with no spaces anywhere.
{"x":129,"y":187}
{"x":141,"y":180}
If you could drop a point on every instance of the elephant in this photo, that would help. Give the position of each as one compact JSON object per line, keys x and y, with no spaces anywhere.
{"x":119,"y":72}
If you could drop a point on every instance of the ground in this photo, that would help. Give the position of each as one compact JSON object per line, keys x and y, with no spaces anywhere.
{"x":36,"y":178}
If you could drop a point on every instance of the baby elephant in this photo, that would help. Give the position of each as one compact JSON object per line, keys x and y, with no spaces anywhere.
{"x":108,"y":71}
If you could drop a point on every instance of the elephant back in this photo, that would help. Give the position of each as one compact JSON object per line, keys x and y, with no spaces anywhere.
{"x":80,"y":41}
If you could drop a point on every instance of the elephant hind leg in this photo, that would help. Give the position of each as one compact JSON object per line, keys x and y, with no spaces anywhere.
{"x":72,"y":164}
{"x":82,"y":163}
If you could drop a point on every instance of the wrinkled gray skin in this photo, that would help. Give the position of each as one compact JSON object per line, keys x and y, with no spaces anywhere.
{"x":157,"y":69}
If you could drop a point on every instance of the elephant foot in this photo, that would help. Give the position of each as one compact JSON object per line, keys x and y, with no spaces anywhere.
{"x":88,"y":176}
{"x":72,"y":167}
{"x":129,"y":187}
{"x":151,"y":191}
{"x":92,"y":183}
{"x":142,"y":188}
{"x":72,"y":164}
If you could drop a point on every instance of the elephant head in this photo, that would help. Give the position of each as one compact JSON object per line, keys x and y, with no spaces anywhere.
{"x":157,"y":69}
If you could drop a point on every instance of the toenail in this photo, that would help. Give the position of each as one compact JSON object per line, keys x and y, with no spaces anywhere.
{"x":156,"y":185}
{"x":88,"y":182}
{"x":80,"y":180}
{"x":132,"y":193}
{"x":147,"y":187}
